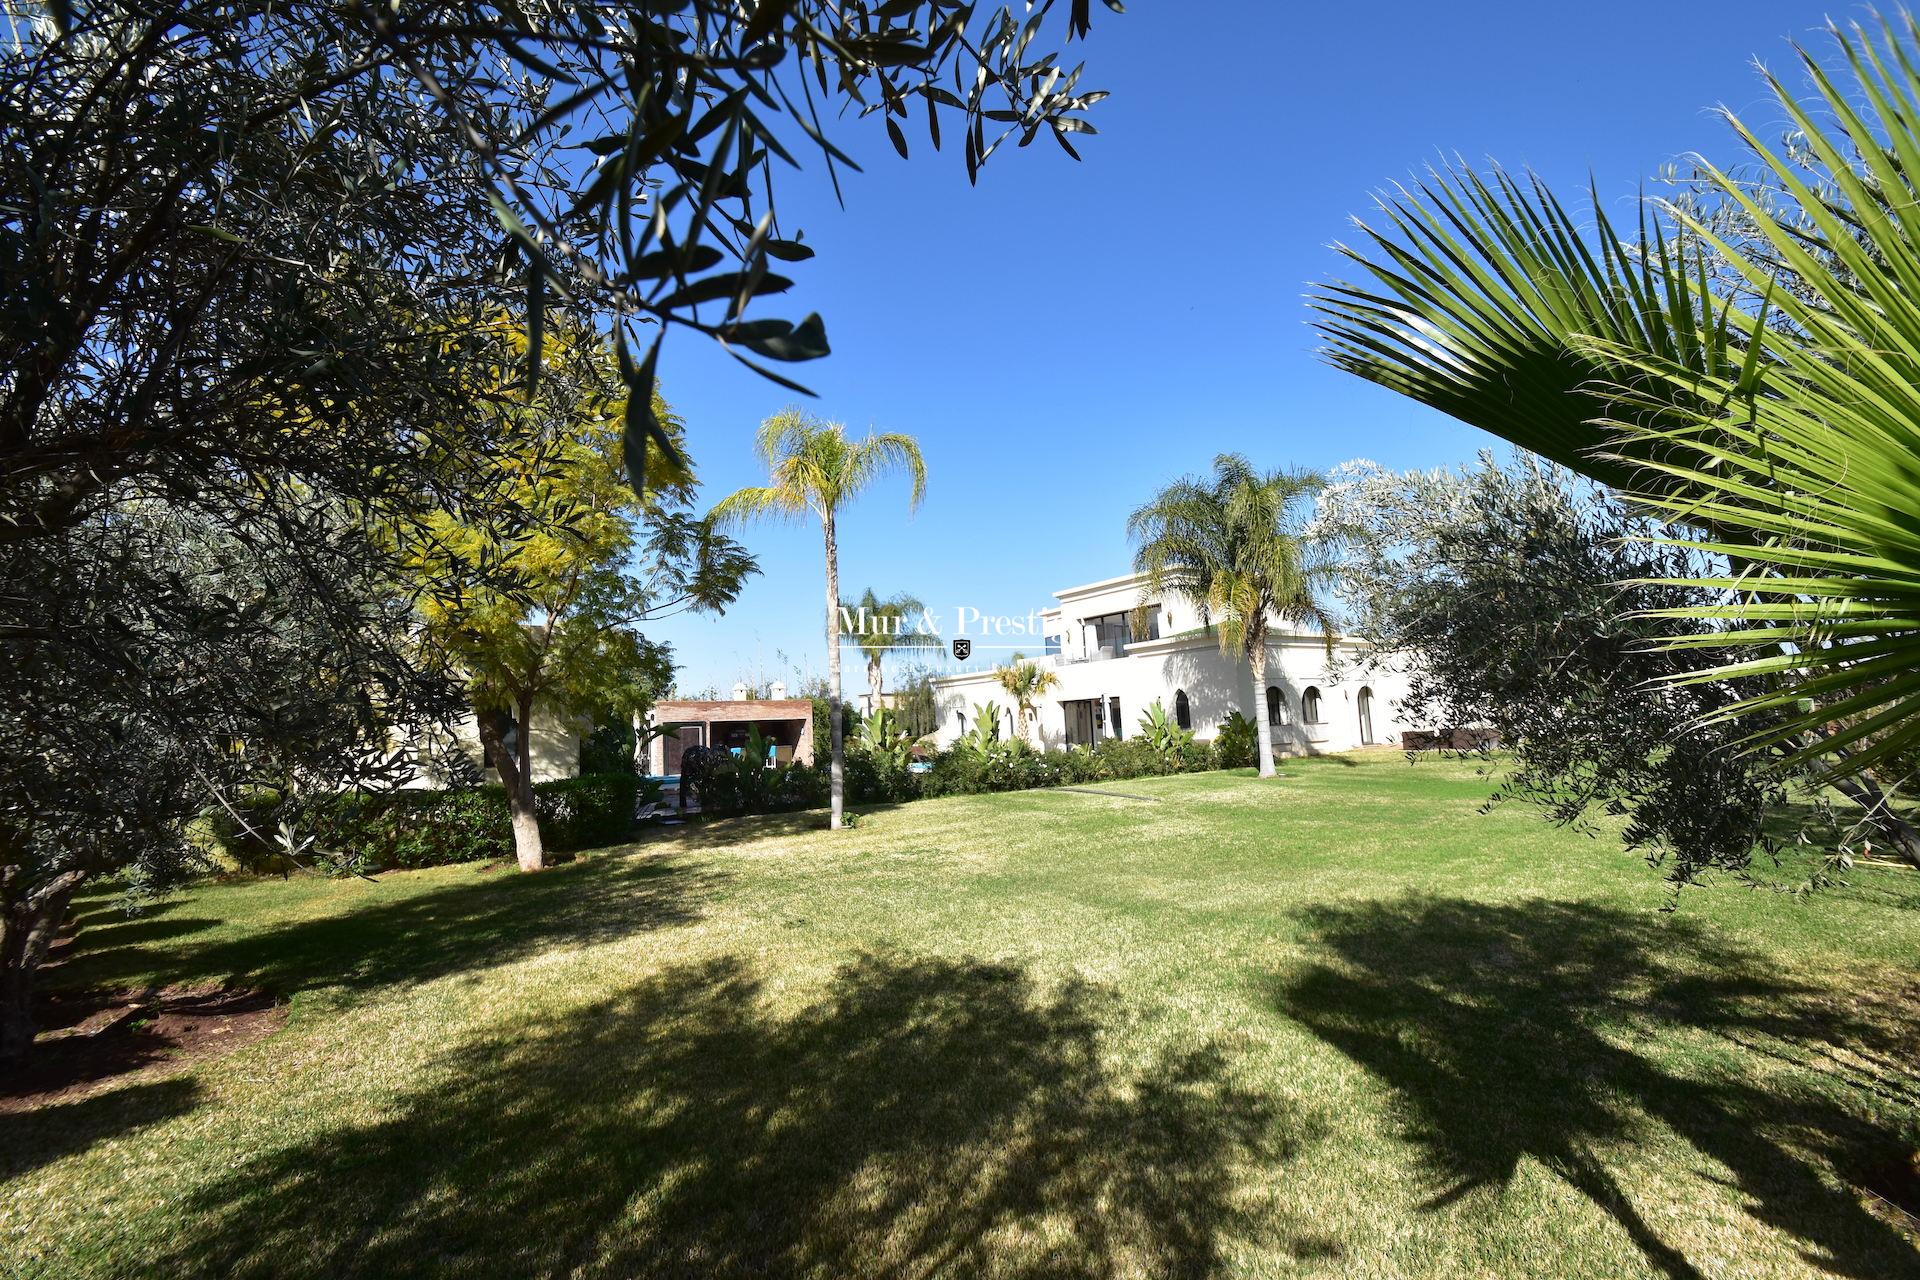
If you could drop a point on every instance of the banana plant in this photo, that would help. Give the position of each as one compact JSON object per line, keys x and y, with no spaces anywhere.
{"x":984,"y":737}
{"x":885,"y":740}
{"x":1162,"y":732}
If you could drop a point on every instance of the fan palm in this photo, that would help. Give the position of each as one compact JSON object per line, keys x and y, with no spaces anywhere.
{"x":1749,"y":368}
{"x":1025,"y":681}
{"x":1233,"y":546}
{"x":815,"y":470}
{"x":890,"y":625}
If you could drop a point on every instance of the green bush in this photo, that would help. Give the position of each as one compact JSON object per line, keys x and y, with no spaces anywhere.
{"x":391,"y":830}
{"x":608,"y":749}
{"x":878,"y":777}
{"x":1237,"y":744}
{"x":746,"y":783}
{"x":584,"y":812}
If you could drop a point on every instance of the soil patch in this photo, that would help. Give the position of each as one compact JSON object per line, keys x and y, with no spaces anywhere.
{"x":91,"y":1039}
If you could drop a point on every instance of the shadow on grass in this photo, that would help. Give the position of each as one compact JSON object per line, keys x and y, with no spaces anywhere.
{"x":920,"y":1117}
{"x":750,"y":828}
{"x":1551,"y":1030}
{"x":409,"y":936}
{"x":29,"y":1139}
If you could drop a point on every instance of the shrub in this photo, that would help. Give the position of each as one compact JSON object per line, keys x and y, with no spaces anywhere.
{"x":1237,"y":743}
{"x":596,"y":809}
{"x":746,"y":783}
{"x":878,"y":777}
{"x":608,"y":748}
{"x":392,"y":830}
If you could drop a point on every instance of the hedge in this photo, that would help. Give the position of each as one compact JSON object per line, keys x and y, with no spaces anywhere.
{"x":387,"y":830}
{"x":871,"y":779}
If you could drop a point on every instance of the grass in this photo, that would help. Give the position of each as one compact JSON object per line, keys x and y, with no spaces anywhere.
{"x":1341,"y":1025}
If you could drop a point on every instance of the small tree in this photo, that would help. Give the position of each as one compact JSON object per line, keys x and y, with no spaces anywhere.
{"x":1025,"y":681}
{"x":1236,"y":548}
{"x":543,"y":611}
{"x":1525,"y":599}
{"x":815,"y":470}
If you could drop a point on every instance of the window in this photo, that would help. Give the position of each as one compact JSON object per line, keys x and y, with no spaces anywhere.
{"x":1182,"y":710}
{"x":1310,"y":705}
{"x":1113,"y":716}
{"x":1366,"y":717}
{"x":1276,"y":706}
{"x":1114,"y":631}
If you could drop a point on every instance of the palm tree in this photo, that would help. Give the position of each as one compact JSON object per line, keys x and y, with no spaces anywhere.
{"x":816,"y":470}
{"x":1024,"y":682}
{"x":896,"y":615}
{"x":1233,"y":547}
{"x":1747,"y":366}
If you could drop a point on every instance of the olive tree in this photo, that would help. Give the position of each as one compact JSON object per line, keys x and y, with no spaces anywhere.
{"x":1524,"y":598}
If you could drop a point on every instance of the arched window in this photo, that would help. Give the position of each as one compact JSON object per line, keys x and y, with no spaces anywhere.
{"x":1276,"y":706}
{"x":1182,"y":710}
{"x":1366,"y":717}
{"x":1310,"y":705}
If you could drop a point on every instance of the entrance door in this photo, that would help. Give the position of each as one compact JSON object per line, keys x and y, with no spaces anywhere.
{"x":1082,"y":721}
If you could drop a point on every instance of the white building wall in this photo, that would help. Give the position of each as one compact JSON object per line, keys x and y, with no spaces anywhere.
{"x":1216,"y":684}
{"x":555,"y":749}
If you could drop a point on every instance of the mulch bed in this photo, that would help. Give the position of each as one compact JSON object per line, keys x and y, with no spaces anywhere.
{"x":90,"y":1040}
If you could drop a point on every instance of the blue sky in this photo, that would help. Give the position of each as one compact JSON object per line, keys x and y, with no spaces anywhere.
{"x":1063,"y":338}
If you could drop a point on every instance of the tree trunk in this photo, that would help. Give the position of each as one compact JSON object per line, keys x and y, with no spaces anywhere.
{"x":837,"y":771}
{"x":26,"y":931}
{"x":516,"y":775}
{"x":1263,"y":731}
{"x":874,"y":676}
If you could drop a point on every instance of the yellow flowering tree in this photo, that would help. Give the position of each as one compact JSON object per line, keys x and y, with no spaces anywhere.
{"x":540,"y":603}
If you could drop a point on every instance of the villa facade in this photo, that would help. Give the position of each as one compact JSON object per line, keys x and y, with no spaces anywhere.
{"x":1111,"y":669}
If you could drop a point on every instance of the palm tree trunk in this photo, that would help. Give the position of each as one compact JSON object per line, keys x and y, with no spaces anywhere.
{"x":837,"y":761}
{"x":874,"y":677}
{"x":1263,"y":728}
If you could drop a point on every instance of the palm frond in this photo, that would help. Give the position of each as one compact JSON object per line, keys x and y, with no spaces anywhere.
{"x":1484,"y":287}
{"x":1776,"y":426}
{"x":878,"y":454}
{"x":762,"y":502}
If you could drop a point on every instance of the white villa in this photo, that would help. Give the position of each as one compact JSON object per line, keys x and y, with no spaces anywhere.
{"x":1108,"y":676}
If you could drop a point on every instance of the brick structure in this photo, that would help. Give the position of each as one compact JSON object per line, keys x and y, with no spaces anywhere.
{"x":787,"y":723}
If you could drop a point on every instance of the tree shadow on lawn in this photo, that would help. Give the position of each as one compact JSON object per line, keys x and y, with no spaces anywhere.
{"x":1511,"y":1031}
{"x":710,"y":831}
{"x":491,"y":919}
{"x":921,"y":1117}
{"x":29,"y":1139}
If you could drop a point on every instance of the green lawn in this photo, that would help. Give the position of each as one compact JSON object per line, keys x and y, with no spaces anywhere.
{"x":1338,"y":1025}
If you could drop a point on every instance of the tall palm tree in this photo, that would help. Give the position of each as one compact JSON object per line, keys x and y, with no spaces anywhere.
{"x":1233,"y":546}
{"x":897,"y":615}
{"x":816,"y":470}
{"x":1747,"y":366}
{"x":1024,"y":682}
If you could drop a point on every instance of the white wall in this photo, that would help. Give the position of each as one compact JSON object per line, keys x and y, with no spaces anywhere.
{"x":1216,"y":685}
{"x":555,"y":748}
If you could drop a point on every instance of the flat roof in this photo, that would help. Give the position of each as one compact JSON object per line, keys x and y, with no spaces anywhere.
{"x":733,"y":709}
{"x":1090,"y":588}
